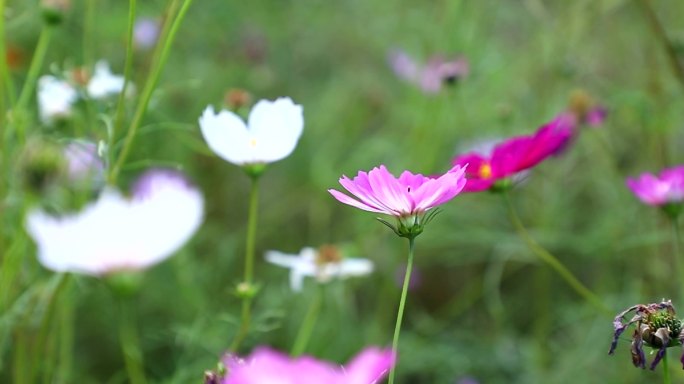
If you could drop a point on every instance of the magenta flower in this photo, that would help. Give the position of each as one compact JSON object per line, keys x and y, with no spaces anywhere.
{"x":487,"y":171}
{"x":407,"y":198}
{"x":665,"y":189}
{"x":265,"y":366}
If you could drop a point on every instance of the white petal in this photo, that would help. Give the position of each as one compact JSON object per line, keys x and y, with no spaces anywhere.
{"x":104,"y":83}
{"x":55,"y":98}
{"x":115,"y":233}
{"x":227,"y":135}
{"x":355,"y":267}
{"x":276,"y":127}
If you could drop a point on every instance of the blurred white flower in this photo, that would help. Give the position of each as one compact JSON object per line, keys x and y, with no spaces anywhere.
{"x":55,"y":98}
{"x":273,"y":129}
{"x":120,"y":234}
{"x":323,"y":264}
{"x":104,"y":83}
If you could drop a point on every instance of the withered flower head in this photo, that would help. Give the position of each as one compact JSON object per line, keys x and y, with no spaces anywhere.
{"x":656,"y":326}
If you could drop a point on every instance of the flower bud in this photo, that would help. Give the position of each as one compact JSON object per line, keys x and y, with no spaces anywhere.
{"x":54,"y":10}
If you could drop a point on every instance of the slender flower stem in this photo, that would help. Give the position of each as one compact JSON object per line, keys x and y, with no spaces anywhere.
{"x":32,"y":78}
{"x":661,"y":34}
{"x":4,"y":70}
{"x":676,"y":250}
{"x":666,"y":371}
{"x":128,"y":65}
{"x":88,"y":24}
{"x":130,"y":345}
{"x":553,"y":262}
{"x":249,"y":265}
{"x":46,"y":323}
{"x":149,"y":88}
{"x":402,"y":303}
{"x":308,"y":324}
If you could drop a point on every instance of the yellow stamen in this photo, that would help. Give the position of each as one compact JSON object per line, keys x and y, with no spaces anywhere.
{"x":485,"y":171}
{"x":252,"y":143}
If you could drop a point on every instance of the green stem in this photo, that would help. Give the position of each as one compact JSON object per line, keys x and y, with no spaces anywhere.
{"x":34,"y":69}
{"x":66,"y":345}
{"x":666,"y":371}
{"x":676,"y":250}
{"x":88,"y":23}
{"x":130,"y":345}
{"x":249,"y":265}
{"x":128,"y":66}
{"x":149,"y":88}
{"x":553,"y":262}
{"x":306,"y":329}
{"x":402,"y":303}
{"x":661,"y":34}
{"x":41,"y":349}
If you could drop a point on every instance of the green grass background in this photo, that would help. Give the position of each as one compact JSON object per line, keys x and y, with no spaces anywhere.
{"x":486,"y":308}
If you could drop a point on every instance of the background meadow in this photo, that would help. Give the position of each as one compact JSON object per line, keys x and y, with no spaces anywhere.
{"x":484,"y":307}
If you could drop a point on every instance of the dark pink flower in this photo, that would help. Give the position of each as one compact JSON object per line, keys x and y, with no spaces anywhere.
{"x":265,"y":366}
{"x":666,"y":188}
{"x":516,"y":154}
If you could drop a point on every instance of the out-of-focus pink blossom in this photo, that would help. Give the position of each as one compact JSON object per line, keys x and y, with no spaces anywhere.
{"x":666,"y":188}
{"x":266,"y":366}
{"x":431,"y":76}
{"x":83,"y":161}
{"x":145,"y":32}
{"x":516,"y":154}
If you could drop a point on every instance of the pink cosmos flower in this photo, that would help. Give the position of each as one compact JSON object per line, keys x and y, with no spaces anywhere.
{"x":265,"y":366}
{"x":516,"y":154}
{"x":409,"y":195}
{"x":407,"y":198}
{"x":664,"y":189}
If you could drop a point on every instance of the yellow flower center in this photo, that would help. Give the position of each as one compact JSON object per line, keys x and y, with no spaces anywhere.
{"x":485,"y":171}
{"x":252,"y":143}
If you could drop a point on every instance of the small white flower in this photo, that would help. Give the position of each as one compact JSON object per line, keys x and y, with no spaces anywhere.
{"x":116,"y":233}
{"x":308,"y":263}
{"x":104,"y":83}
{"x":273,"y":129}
{"x":55,"y":98}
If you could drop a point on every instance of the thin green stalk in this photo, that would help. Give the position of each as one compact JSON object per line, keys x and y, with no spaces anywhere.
{"x":661,"y":34}
{"x":130,"y":345}
{"x":66,"y":344}
{"x":5,"y":77}
{"x":87,"y":42}
{"x":46,"y":324}
{"x":402,"y":303}
{"x":666,"y":371}
{"x":34,"y":70}
{"x":676,"y":250}
{"x":250,"y":242}
{"x":128,"y":66}
{"x":553,"y":262}
{"x":308,"y":324}
{"x":149,"y":88}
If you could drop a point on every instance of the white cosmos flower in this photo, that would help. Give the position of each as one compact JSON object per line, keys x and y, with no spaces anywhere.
{"x":309,"y":263}
{"x":55,"y":98}
{"x":272,"y":132}
{"x":116,"y":233}
{"x":104,"y":83}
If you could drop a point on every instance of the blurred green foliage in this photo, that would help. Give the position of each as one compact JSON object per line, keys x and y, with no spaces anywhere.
{"x":486,"y":308}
